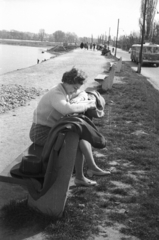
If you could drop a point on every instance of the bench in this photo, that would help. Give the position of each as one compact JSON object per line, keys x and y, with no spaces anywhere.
{"x":54,"y":200}
{"x":106,"y":80}
{"x":101,"y":77}
{"x":119,"y":64}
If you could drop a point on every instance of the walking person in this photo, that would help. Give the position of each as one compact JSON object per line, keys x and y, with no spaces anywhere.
{"x":81,"y":45}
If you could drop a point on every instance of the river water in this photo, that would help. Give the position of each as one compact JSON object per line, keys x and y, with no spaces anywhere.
{"x":16,"y":57}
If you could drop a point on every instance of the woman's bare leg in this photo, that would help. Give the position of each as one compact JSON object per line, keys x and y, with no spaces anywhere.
{"x":86,"y":149}
{"x":79,"y":163}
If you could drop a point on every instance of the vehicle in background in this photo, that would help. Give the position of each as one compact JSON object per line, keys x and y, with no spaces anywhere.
{"x":129,"y":50}
{"x":150,"y":53}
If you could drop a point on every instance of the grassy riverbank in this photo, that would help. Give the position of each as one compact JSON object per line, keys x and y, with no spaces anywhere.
{"x":125,"y":203}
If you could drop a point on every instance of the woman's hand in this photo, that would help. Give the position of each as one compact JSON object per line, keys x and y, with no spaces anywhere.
{"x":91,"y":104}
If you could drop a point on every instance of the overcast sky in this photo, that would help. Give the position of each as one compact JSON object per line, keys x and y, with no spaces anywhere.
{"x":83,"y":17}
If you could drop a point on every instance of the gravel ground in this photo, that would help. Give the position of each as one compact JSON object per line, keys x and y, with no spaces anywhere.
{"x":13,"y":96}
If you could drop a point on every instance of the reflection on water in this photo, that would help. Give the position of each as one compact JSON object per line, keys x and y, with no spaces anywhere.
{"x":17,"y":57}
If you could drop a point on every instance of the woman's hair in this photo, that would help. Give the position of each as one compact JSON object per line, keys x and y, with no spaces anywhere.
{"x":74,"y":76}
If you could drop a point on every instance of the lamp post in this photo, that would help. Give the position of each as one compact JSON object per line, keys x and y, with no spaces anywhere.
{"x":121,"y":39}
{"x":116,"y":38}
{"x":105,"y":38}
{"x":142,"y":39}
{"x":109,"y":38}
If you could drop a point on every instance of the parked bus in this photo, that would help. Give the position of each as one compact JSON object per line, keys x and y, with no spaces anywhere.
{"x":150,"y":53}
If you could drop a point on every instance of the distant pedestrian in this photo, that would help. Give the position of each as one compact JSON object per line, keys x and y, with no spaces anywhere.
{"x":94,"y":46}
{"x":86,"y":46}
{"x":38,"y":61}
{"x":81,"y":45}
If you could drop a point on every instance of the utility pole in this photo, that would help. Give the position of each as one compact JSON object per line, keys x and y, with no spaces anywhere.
{"x":105,"y":38}
{"x":142,"y":39}
{"x":109,"y":38}
{"x":116,"y":38}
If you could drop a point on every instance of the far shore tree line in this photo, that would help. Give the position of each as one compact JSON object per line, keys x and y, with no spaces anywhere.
{"x":125,"y":41}
{"x":57,"y":36}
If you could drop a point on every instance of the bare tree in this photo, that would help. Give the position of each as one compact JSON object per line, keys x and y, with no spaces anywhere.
{"x":149,"y":18}
{"x":70,"y":37}
{"x":127,"y":41}
{"x":155,"y":38}
{"x":59,"y":36}
{"x":41,"y":34}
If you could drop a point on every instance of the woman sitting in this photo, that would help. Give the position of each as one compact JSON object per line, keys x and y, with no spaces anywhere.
{"x":55,"y":104}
